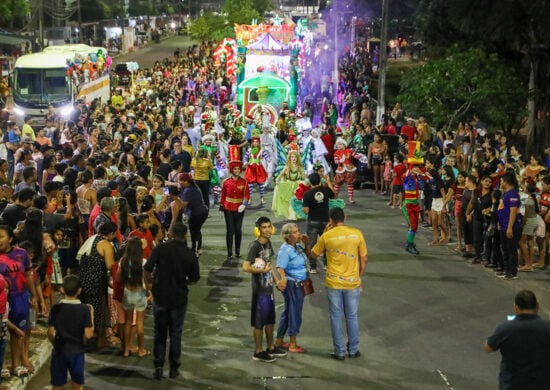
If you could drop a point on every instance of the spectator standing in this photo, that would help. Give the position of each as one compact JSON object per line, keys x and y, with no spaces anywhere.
{"x":509,"y":220}
{"x":346,"y":253}
{"x":69,"y":323}
{"x":262,"y":317}
{"x":175,"y":267}
{"x":524,"y":343}
{"x":315,"y":204}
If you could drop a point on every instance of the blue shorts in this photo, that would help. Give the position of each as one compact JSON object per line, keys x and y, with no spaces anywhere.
{"x":19,"y":310}
{"x":263,"y":311}
{"x":63,"y":362}
{"x":134,"y":300}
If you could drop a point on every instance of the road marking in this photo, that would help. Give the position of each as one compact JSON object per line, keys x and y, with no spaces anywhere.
{"x":444,"y":377}
{"x":264,"y":379}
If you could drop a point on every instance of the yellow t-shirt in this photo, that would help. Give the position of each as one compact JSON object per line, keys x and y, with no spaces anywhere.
{"x":343,"y":247}
{"x":201,"y":168}
{"x":27,"y":131}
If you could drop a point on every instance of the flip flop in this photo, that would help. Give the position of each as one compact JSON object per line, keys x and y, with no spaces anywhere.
{"x":298,"y":349}
{"x":147,"y":353}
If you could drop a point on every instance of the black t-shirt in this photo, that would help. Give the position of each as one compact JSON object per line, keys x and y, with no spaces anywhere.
{"x":317,"y":200}
{"x":14,"y":213}
{"x":184,"y":158}
{"x":524,"y":344}
{"x":69,"y":321}
{"x":261,"y":283}
{"x":164,"y":170}
{"x":173,"y":266}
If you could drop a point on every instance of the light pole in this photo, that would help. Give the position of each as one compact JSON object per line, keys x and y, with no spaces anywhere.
{"x":381,"y":108}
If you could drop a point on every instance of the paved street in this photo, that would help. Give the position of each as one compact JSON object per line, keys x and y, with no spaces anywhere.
{"x":423,"y":320}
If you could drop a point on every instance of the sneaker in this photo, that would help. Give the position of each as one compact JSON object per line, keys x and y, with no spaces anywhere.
{"x":313,"y":271}
{"x":355,"y":355}
{"x":263,"y":357}
{"x":411,"y":248}
{"x":500,"y":274}
{"x":337,"y":357}
{"x":510,"y":277}
{"x":157,"y":374}
{"x":276,"y":351}
{"x":174,"y":373}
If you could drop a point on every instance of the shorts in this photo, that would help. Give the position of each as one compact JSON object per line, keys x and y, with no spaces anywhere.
{"x":135,"y":300}
{"x":397,"y":189}
{"x":121,"y":313}
{"x":263,"y":311}
{"x":19,"y":310}
{"x":63,"y":362}
{"x":437,"y":205}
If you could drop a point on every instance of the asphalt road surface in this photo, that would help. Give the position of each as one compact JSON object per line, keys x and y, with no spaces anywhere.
{"x":423,"y":319}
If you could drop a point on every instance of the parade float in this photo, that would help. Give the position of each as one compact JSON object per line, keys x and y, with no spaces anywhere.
{"x":270,"y":62}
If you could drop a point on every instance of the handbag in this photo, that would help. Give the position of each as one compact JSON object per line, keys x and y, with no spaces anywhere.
{"x":307,"y":286}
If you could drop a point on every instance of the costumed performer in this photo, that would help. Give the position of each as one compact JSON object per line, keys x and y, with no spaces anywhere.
{"x":319,"y":151}
{"x":255,"y":172}
{"x":213,"y":153}
{"x":286,"y":184}
{"x":234,"y":199}
{"x":345,"y":169}
{"x":413,"y":182}
{"x":268,"y":144}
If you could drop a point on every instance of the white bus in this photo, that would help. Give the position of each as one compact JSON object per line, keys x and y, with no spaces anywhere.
{"x":41,"y":79}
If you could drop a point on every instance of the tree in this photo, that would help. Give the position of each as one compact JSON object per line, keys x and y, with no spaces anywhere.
{"x":206,"y":26}
{"x":240,"y":11}
{"x":13,"y":12}
{"x":516,"y":29}
{"x":464,"y":82}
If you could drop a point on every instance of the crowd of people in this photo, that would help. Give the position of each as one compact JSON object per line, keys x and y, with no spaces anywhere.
{"x":96,"y":193}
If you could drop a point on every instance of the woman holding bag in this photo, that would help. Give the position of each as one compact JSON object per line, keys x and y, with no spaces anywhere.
{"x":292,"y":259}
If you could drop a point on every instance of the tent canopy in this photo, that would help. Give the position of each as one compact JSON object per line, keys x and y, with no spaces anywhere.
{"x":7,"y":38}
{"x":267,"y":43}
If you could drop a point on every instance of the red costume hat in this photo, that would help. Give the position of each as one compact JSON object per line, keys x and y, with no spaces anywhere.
{"x":234,"y":157}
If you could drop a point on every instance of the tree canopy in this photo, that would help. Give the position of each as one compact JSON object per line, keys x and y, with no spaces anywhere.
{"x":464,"y":82}
{"x":516,"y":30}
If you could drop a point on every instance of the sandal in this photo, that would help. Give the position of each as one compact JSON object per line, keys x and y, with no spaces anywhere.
{"x":297,"y":349}
{"x":144,"y":353}
{"x":20,"y":371}
{"x":433,"y":243}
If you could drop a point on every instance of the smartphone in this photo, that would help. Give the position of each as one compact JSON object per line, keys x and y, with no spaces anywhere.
{"x":166,"y":192}
{"x":510,"y":317}
{"x":66,"y":189}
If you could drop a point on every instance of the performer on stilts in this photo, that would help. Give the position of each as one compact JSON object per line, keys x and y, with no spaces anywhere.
{"x":413,"y":182}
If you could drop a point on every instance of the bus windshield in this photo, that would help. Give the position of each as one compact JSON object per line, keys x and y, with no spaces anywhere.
{"x":41,"y":85}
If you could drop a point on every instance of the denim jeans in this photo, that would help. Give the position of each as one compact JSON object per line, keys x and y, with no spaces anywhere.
{"x":291,"y":317}
{"x":168,"y":322}
{"x":344,"y":303}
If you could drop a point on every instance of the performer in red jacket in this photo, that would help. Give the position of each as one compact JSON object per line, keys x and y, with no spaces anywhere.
{"x":234,"y":199}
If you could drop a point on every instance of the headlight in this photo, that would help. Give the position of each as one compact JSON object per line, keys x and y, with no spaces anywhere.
{"x":66,"y":110}
{"x":19,"y":112}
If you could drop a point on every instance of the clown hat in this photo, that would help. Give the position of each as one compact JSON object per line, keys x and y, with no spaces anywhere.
{"x":414,"y":156}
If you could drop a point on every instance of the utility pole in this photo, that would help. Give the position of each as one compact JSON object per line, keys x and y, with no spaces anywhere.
{"x":41,"y":24}
{"x":79,"y":15}
{"x":381,"y":108}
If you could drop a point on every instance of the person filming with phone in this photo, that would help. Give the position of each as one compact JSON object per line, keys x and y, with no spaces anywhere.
{"x":524,"y":343}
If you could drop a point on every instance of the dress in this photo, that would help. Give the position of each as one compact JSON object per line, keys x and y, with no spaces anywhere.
{"x":283,"y":192}
{"x":94,"y":282}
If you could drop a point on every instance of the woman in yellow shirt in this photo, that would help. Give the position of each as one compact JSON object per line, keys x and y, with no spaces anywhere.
{"x":202,"y":165}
